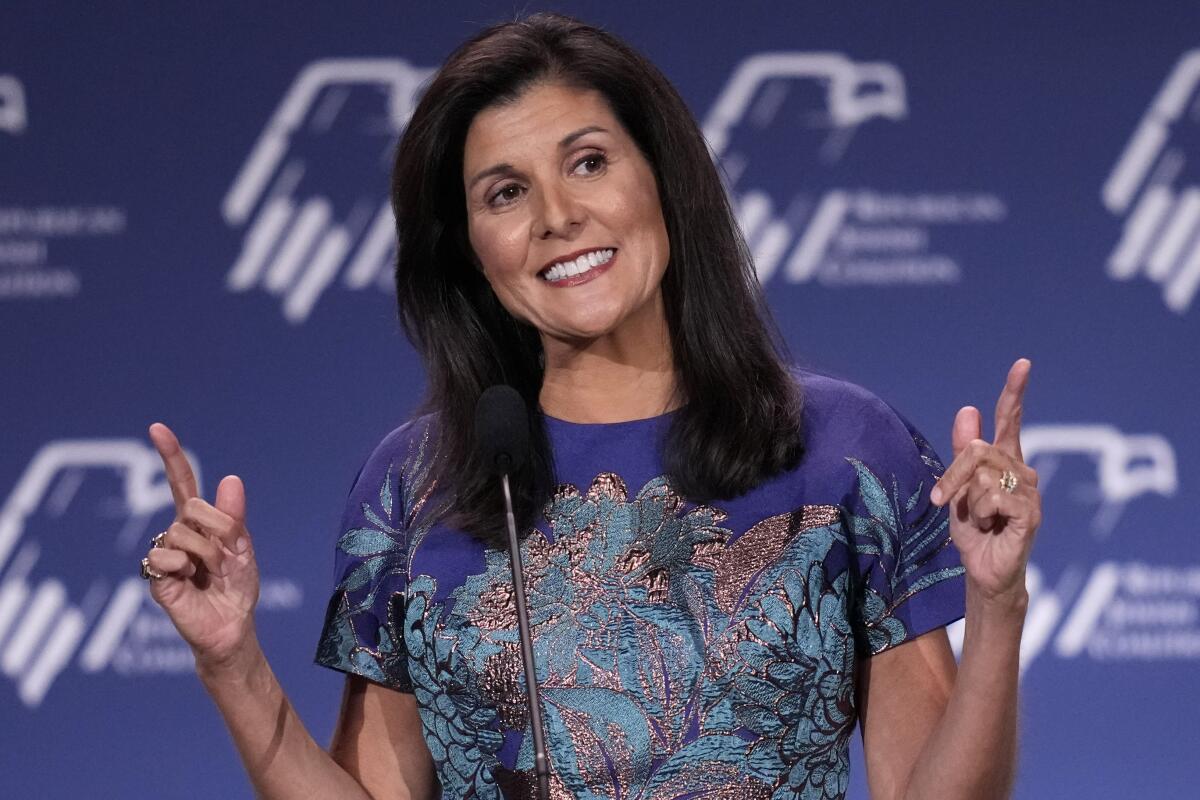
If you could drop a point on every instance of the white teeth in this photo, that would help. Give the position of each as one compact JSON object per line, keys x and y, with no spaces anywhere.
{"x":578,"y":266}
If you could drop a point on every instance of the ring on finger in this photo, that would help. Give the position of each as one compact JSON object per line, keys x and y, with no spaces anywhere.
{"x":159,"y":540}
{"x":149,"y":574}
{"x":1008,"y":481}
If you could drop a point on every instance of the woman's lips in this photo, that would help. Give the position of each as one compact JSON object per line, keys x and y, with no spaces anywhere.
{"x":591,"y":274}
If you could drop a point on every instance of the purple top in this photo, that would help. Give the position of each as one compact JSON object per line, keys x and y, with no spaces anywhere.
{"x":679,"y":648}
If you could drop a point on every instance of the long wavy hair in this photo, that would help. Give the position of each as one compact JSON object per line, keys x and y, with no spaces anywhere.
{"x":740,"y":419}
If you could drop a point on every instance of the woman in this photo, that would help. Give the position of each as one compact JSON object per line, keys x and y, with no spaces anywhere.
{"x":728,"y":564}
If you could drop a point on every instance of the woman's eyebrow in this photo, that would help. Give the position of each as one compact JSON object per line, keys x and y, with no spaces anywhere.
{"x":499,"y":169}
{"x":570,"y":137}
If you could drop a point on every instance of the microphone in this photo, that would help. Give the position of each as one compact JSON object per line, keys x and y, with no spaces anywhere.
{"x":502,"y":438}
{"x":502,"y":429}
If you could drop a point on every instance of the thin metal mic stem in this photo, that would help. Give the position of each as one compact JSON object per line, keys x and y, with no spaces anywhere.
{"x":541,"y":765}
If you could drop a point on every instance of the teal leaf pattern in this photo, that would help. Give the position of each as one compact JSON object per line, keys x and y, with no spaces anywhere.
{"x":904,"y":543}
{"x":375,"y":553}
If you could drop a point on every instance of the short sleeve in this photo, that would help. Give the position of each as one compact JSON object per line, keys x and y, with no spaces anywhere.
{"x":908,"y":579}
{"x":363,"y":629}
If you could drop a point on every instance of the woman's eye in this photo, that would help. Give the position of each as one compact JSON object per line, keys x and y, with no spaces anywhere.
{"x":595,"y":163}
{"x":505,"y":195}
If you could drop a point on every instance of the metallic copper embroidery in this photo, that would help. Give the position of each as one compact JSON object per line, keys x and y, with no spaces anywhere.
{"x":708,"y":554}
{"x":656,"y":585}
{"x":609,"y":486}
{"x":498,"y":607}
{"x":502,"y":684}
{"x":729,"y":782}
{"x":762,"y":545}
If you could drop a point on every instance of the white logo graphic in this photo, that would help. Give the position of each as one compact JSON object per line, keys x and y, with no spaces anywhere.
{"x":1123,"y":611}
{"x":313,"y":193}
{"x":71,"y":534}
{"x":1127,"y":465}
{"x":43,"y":623}
{"x":1151,"y":183}
{"x":779,"y":109}
{"x":12,"y":105}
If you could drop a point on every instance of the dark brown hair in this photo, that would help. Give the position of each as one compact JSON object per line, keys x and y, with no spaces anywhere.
{"x":740,"y":423}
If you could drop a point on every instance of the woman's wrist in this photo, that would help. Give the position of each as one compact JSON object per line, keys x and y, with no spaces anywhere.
{"x":1010,"y":602}
{"x":995,"y":618}
{"x":240,"y":668}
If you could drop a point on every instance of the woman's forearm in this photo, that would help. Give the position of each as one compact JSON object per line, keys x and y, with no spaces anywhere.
{"x":973,"y":750}
{"x":281,"y":757}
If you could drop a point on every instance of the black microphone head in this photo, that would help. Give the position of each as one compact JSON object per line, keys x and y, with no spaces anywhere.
{"x":502,"y":429}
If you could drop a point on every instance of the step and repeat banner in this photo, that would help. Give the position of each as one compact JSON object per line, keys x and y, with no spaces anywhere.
{"x":194,"y":228}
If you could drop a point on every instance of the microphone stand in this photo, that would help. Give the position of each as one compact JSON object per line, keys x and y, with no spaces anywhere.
{"x":541,"y":765}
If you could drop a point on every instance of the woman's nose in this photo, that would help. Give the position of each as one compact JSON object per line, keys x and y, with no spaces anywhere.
{"x":561,"y":213}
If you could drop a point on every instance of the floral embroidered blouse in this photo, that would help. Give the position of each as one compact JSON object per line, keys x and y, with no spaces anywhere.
{"x":682,"y":650}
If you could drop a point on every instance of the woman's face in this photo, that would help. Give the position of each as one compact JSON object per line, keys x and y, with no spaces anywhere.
{"x":551,"y":177}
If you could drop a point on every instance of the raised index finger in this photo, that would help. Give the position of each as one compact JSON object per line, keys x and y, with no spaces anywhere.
{"x":1009,"y":408}
{"x":179,"y":471}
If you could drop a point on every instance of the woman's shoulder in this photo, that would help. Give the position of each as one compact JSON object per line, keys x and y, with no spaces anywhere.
{"x":830,"y":397}
{"x":400,"y":451}
{"x":844,"y":417}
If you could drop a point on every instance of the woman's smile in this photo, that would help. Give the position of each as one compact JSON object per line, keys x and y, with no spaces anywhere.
{"x":572,"y":270}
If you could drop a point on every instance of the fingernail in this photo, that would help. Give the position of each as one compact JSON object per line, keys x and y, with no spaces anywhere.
{"x":241,"y":544}
{"x":936,"y":495}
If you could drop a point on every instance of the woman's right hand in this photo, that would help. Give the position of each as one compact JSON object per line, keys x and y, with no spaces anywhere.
{"x":210,"y":579}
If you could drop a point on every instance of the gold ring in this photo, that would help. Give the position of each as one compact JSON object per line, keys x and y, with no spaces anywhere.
{"x":158,"y":540}
{"x":149,"y":574}
{"x":1008,"y":481}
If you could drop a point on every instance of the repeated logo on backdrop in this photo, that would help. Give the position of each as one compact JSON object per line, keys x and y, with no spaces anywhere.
{"x":1155,"y":185}
{"x":71,"y":533}
{"x":780,"y":127}
{"x":335,"y":127}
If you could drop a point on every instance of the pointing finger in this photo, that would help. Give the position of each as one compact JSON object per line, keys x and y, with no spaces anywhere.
{"x":175,"y":463}
{"x":1009,"y":408}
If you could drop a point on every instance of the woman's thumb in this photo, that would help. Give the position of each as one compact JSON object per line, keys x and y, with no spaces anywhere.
{"x":231,"y":497}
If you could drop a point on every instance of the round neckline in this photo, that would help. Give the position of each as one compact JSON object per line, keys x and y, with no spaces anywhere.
{"x":564,"y":423}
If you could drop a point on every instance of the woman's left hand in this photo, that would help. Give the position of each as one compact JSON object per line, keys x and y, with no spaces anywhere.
{"x":993,"y":528}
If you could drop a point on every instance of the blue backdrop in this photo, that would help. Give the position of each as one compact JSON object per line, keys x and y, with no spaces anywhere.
{"x":193,"y":228}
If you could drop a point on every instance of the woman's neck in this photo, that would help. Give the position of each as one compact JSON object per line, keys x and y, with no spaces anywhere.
{"x":626,"y":375}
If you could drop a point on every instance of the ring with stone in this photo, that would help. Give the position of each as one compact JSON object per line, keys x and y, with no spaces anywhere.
{"x":149,"y":574}
{"x":1008,"y":481}
{"x":159,"y":540}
